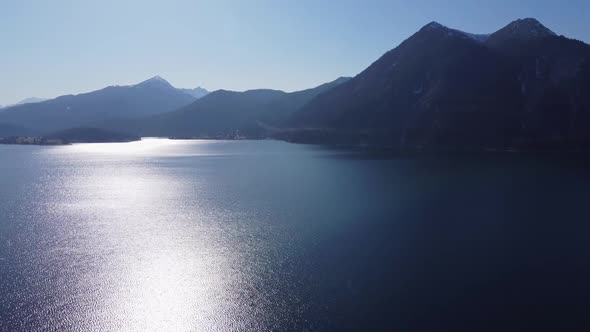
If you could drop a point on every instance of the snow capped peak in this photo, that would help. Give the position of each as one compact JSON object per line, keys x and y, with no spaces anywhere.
{"x":530,"y":24}
{"x":157,"y":78}
{"x":435,"y":26}
{"x":520,"y":30}
{"x":197,"y":92}
{"x":449,"y":32}
{"x":156,"y":81}
{"x":528,"y":20}
{"x":527,"y":27}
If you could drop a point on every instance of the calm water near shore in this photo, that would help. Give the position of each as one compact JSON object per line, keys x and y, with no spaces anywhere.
{"x":173,"y":235}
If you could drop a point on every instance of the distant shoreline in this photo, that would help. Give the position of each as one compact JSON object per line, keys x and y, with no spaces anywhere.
{"x":69,"y":136}
{"x":407,"y":151}
{"x":32,"y":140}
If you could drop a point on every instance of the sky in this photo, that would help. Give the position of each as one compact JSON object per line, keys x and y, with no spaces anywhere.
{"x":50,"y":48}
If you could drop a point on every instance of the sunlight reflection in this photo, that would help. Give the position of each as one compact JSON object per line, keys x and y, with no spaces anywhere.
{"x":164,"y":267}
{"x":160,"y":294}
{"x":145,"y":147}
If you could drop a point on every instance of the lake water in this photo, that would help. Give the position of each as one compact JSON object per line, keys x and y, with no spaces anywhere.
{"x":163,"y":235}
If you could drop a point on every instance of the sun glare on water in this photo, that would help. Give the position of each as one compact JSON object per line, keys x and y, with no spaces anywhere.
{"x":160,"y":259}
{"x":145,"y":146}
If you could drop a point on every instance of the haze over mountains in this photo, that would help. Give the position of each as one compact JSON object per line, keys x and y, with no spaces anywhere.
{"x":229,"y":113}
{"x":30,"y":100}
{"x":152,"y":96}
{"x":522,"y":86}
{"x":197,"y":92}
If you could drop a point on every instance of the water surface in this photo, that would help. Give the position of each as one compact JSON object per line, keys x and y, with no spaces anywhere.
{"x":163,"y":235}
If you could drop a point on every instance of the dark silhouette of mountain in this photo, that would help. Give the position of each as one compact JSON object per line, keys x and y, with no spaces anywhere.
{"x":155,"y":95}
{"x":522,"y":86}
{"x":197,"y":92}
{"x":520,"y":30}
{"x":90,"y":135}
{"x":226,"y":114}
{"x":9,"y":130}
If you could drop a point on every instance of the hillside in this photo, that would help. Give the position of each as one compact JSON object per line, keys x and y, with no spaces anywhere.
{"x":149,"y":97}
{"x":522,"y":86}
{"x":225,"y":114}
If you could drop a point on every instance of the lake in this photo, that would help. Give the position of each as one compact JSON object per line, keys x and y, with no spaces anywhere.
{"x":173,"y":235}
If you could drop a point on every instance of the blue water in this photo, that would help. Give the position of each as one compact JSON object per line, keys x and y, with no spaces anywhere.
{"x":163,"y":235}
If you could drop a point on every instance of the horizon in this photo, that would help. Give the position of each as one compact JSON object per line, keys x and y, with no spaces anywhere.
{"x":82,"y":56}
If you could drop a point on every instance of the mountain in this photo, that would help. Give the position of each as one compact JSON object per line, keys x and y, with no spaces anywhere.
{"x":196,"y":92}
{"x":522,"y":86}
{"x":152,"y":96}
{"x":8,"y":130}
{"x":226,"y":113}
{"x":31,"y":100}
{"x":527,"y":29}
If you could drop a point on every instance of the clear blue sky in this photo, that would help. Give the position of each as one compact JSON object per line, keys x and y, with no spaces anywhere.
{"x":55,"y":47}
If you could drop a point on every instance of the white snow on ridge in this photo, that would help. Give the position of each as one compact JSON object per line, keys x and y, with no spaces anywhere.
{"x":157,"y":78}
{"x":480,"y":38}
{"x":156,"y":81}
{"x":531,"y":25}
{"x":450,"y":32}
{"x":435,"y":26}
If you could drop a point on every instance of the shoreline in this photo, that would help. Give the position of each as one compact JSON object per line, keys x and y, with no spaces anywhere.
{"x":371,"y":148}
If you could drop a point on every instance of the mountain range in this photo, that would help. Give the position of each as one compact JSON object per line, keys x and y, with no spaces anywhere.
{"x":522,"y":87}
{"x":30,"y":100}
{"x":226,"y":114}
{"x":152,"y":96}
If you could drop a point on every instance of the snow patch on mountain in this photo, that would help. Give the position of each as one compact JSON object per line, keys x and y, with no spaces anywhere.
{"x":450,"y":32}
{"x":197,"y":92}
{"x":156,"y":81}
{"x":529,"y":26}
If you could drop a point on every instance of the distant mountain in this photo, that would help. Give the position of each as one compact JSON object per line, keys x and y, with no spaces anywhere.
{"x":196,"y":92}
{"x":522,"y":86}
{"x":31,"y":100}
{"x":153,"y":96}
{"x":226,"y":114}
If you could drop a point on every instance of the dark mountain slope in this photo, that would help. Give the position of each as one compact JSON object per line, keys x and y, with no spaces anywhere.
{"x":217,"y":114}
{"x":152,"y":96}
{"x":551,"y":73}
{"x":280,"y":109}
{"x":521,"y":86}
{"x":527,"y":29}
{"x":8,"y":130}
{"x":438,"y":80}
